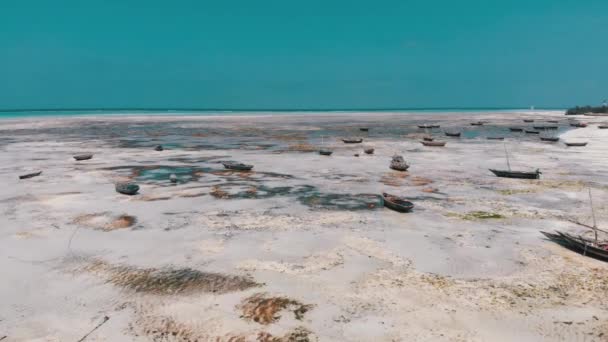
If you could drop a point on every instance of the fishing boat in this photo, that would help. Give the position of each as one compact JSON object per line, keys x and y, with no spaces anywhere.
{"x":30,"y":175}
{"x":515,"y":174}
{"x":398,"y":163}
{"x":397,"y":203}
{"x":83,"y":156}
{"x":158,"y":148}
{"x":532,"y":132}
{"x":602,"y":126}
{"x":425,"y":126}
{"x":477,"y":123}
{"x":237,"y":166}
{"x":127,"y":188}
{"x":576,"y":144}
{"x":553,"y":121}
{"x":427,"y":138}
{"x":433,"y":143}
{"x":364,"y":129}
{"x":369,"y":150}
{"x":495,"y":138}
{"x":578,"y":124}
{"x":528,"y":120}
{"x":516,"y":129}
{"x":552,"y":139}
{"x":452,"y":134}
{"x":580,"y":244}
{"x":325,"y":152}
{"x":352,"y":141}
{"x":545,"y":127}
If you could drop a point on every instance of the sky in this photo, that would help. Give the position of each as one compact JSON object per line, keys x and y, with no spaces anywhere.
{"x":302,"y":54}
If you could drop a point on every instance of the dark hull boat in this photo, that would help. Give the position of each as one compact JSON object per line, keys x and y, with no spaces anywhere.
{"x":579,"y":244}
{"x":576,"y":144}
{"x":532,"y":132}
{"x":552,"y":139}
{"x":428,"y":138}
{"x":602,"y":126}
{"x":83,"y":156}
{"x":30,"y":175}
{"x":127,"y":188}
{"x":364,"y":129}
{"x":478,"y":123}
{"x":325,"y":152}
{"x":159,"y":148}
{"x":369,"y":151}
{"x":433,"y":143}
{"x":452,"y":134}
{"x":552,"y":121}
{"x":516,"y":129}
{"x":495,"y":138}
{"x":237,"y":166}
{"x":429,"y":126}
{"x":545,"y":127}
{"x":397,"y":203}
{"x":528,"y":120}
{"x":517,"y":174}
{"x":578,"y":124}
{"x":352,"y":141}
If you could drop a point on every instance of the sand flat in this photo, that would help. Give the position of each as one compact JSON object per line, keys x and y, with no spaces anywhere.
{"x":298,"y":249}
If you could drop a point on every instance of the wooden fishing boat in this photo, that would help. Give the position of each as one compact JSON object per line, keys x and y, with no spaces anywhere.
{"x":517,"y":174}
{"x":398,"y":163}
{"x":237,"y":166}
{"x":528,"y":120}
{"x":433,"y":143}
{"x":83,"y":156}
{"x":428,"y":126}
{"x":397,"y":203}
{"x":478,"y":123}
{"x":516,"y":129}
{"x":369,"y":150}
{"x":602,"y":126}
{"x":545,"y":127}
{"x":452,"y":134}
{"x":364,"y":129}
{"x":532,"y":132}
{"x":325,"y":152}
{"x":553,"y":121}
{"x":552,"y":139}
{"x":352,"y":141}
{"x":127,"y":188}
{"x":576,"y":144}
{"x":495,"y":138}
{"x":580,"y":244}
{"x":158,"y":148}
{"x":427,"y":138}
{"x":578,"y":124}
{"x":30,"y":175}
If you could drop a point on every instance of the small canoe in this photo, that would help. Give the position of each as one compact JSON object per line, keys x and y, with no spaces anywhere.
{"x":452,"y":134}
{"x":159,"y":148}
{"x":528,"y":120}
{"x":545,"y":127}
{"x":433,"y":143}
{"x":517,"y":174}
{"x":580,"y":244}
{"x":553,"y":121}
{"x":478,"y":123}
{"x":352,"y":141}
{"x":576,"y":144}
{"x":356,"y":154}
{"x":369,"y":151}
{"x":83,"y":156}
{"x":397,"y":203}
{"x":427,"y":138}
{"x":532,"y":132}
{"x":578,"y":124}
{"x":325,"y":152}
{"x":364,"y":129}
{"x":127,"y":188}
{"x":602,"y":126}
{"x":552,"y":139}
{"x":495,"y":138}
{"x":516,"y":129}
{"x":237,"y":166}
{"x":30,"y":175}
{"x":429,"y":126}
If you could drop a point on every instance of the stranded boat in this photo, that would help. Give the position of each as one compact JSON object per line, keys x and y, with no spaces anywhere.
{"x":352,"y":141}
{"x":237,"y":166}
{"x":397,"y":203}
{"x":83,"y":156}
{"x":433,"y":143}
{"x":30,"y":175}
{"x":127,"y":188}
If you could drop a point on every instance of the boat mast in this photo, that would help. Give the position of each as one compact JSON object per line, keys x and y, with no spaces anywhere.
{"x":593,"y":216}
{"x":507,"y":155}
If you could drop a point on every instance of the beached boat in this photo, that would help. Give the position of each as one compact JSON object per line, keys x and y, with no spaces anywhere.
{"x":352,"y":141}
{"x":516,"y":129}
{"x":532,"y":132}
{"x":552,"y":139}
{"x":578,"y":124}
{"x":127,"y":188}
{"x":397,"y":203}
{"x":325,"y":152}
{"x":398,"y":163}
{"x":433,"y":143}
{"x":452,"y":134}
{"x":528,"y":120}
{"x":427,"y":138}
{"x":83,"y":156}
{"x":30,"y":175}
{"x":478,"y":123}
{"x":369,"y":150}
{"x":553,"y":121}
{"x":237,"y":166}
{"x":602,"y":126}
{"x":158,"y":148}
{"x":495,"y":138}
{"x":545,"y":127}
{"x":576,"y":144}
{"x":517,"y":174}
{"x":364,"y":129}
{"x":580,"y":244}
{"x":428,"y":126}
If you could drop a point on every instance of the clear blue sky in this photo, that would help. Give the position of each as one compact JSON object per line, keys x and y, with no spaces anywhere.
{"x":303,"y":54}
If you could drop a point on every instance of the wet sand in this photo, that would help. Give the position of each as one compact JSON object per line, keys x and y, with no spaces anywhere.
{"x":300,"y":248}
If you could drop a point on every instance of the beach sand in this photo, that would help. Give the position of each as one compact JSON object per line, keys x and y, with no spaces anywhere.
{"x":298,"y":249}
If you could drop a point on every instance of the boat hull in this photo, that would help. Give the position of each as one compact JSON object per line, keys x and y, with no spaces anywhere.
{"x":397,"y":204}
{"x":516,"y":174}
